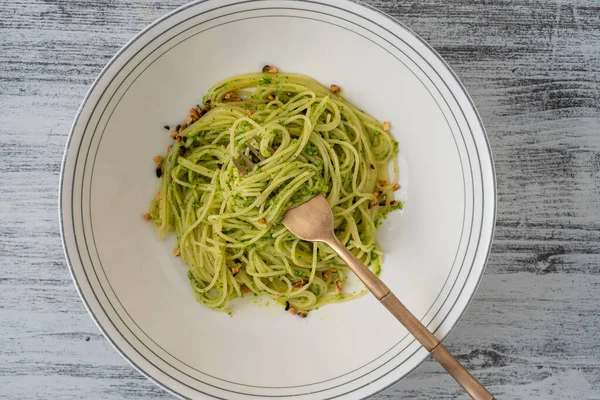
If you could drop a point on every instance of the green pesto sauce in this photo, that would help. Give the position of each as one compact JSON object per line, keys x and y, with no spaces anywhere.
{"x":382,"y":215}
{"x":298,"y":273}
{"x":377,"y":270}
{"x":315,"y":289}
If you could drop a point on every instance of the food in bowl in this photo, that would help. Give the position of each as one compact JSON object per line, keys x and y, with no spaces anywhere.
{"x":262,"y":143}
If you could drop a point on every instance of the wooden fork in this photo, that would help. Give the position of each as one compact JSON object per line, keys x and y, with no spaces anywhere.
{"x":313,"y":222}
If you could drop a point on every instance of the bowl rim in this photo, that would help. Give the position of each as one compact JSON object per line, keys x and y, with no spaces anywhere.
{"x":493,"y":198}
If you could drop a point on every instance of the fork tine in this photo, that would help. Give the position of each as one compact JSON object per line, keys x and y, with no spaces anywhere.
{"x":239,"y":166}
{"x":258,"y":140}
{"x":244,"y":158}
{"x":247,"y":160}
{"x":255,"y":151}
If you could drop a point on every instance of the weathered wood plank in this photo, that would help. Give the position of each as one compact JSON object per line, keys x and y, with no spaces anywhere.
{"x":533,"y":69}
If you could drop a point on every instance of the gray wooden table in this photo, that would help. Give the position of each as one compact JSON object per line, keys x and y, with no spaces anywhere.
{"x":533,"y":69}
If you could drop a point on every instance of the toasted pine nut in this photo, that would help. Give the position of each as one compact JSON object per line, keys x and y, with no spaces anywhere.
{"x":270,"y":69}
{"x":273,"y":70}
{"x":372,"y":203}
{"x":339,"y":285}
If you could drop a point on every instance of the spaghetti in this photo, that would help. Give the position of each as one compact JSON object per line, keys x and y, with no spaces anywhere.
{"x":228,"y":223}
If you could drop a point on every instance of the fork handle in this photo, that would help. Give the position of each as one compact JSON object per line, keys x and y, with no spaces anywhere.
{"x":471,"y":385}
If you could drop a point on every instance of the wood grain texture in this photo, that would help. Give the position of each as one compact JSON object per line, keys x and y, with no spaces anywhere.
{"x":533,"y":70}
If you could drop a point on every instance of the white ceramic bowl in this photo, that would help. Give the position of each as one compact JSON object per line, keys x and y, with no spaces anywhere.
{"x":138,"y":294}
